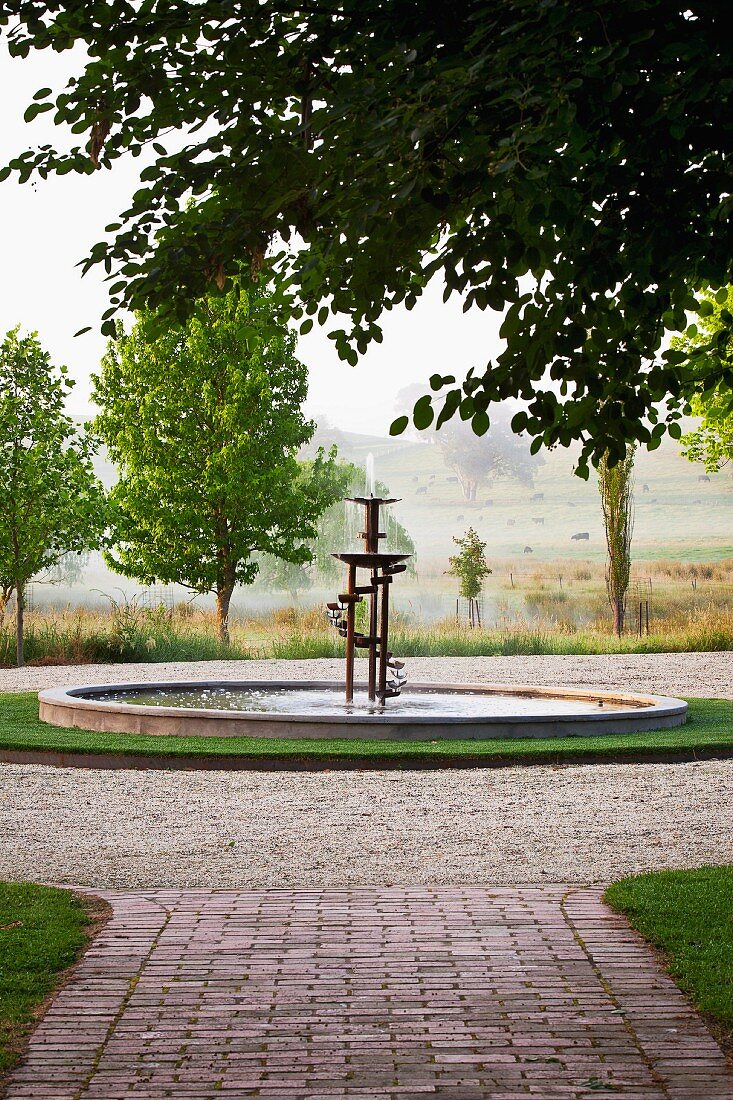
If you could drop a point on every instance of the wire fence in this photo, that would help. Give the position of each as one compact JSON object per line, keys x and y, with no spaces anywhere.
{"x":153,"y":598}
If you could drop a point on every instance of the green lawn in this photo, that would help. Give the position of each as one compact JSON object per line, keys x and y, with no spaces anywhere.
{"x":689,"y":916}
{"x":42,"y":931}
{"x":709,"y":730}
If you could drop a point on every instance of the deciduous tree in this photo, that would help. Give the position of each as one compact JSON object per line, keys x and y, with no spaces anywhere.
{"x":477,"y":459}
{"x":563,"y":162}
{"x":203,"y":420}
{"x":50,"y":501}
{"x":471,"y":569}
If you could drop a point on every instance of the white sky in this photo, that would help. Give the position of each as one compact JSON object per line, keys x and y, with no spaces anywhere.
{"x":49,"y":226}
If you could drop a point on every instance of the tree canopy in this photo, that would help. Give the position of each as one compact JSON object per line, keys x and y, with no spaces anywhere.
{"x":204,"y":423}
{"x":712,"y":441}
{"x":564,"y":162}
{"x":51,"y":503}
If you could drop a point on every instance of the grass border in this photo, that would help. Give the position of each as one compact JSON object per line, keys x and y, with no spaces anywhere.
{"x":681,"y":917}
{"x":90,"y":915}
{"x":25,"y":739}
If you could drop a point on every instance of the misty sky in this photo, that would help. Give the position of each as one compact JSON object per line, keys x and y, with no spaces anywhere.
{"x":48,"y":227}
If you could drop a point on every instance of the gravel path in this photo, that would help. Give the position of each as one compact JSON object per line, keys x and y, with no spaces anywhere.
{"x":703,"y":674}
{"x":585,"y":824}
{"x":251,"y":829}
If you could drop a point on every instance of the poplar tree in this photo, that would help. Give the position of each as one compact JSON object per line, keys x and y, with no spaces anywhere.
{"x":616,"y":486}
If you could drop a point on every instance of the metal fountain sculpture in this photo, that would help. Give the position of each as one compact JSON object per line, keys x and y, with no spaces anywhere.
{"x":386,"y":675}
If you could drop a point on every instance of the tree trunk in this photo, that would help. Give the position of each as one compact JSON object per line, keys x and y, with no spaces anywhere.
{"x":19,"y":608}
{"x":619,"y":612}
{"x":223,"y":599}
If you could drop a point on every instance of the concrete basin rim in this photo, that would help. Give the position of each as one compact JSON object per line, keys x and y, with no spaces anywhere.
{"x":650,"y":706}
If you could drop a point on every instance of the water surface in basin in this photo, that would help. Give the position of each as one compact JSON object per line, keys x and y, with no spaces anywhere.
{"x":330,"y":702}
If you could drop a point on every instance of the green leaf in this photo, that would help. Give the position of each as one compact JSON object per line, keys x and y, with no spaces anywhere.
{"x":398,"y":426}
{"x":422,"y":413}
{"x":480,"y":423}
{"x":36,"y":109}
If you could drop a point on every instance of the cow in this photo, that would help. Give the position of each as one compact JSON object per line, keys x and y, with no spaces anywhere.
{"x":528,"y":550}
{"x":539,"y":520}
{"x":703,"y":477}
{"x":581,"y":536}
{"x":510,"y":523}
{"x":538,"y":496}
{"x":452,"y":480}
{"x":645,"y":489}
{"x":421,"y":489}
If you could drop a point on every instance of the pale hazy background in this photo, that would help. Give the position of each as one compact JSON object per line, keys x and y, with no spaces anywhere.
{"x":48,"y":227}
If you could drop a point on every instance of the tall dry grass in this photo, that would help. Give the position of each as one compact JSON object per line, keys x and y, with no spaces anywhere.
{"x":133,"y":634}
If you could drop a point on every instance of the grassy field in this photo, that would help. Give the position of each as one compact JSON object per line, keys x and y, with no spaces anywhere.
{"x":42,"y":932}
{"x":689,"y":916}
{"x":670,"y":516}
{"x":679,"y":520}
{"x":709,"y":731}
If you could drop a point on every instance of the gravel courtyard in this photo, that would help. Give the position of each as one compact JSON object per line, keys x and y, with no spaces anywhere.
{"x":582,"y":824}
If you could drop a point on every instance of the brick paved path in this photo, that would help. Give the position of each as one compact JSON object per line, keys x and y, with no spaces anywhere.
{"x":399,"y":993}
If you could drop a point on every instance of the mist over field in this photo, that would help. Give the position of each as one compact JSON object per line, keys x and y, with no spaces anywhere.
{"x":682,"y":517}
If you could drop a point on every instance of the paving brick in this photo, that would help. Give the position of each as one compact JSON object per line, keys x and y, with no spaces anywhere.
{"x":395,"y":993}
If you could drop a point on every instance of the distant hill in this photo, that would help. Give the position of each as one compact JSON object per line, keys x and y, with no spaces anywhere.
{"x":680,"y":516}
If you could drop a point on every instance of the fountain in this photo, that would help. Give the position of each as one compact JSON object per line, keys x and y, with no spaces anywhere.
{"x":312,"y":709}
{"x":382,"y":567}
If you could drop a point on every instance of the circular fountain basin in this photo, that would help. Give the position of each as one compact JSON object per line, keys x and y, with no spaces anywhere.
{"x":313,"y":709}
